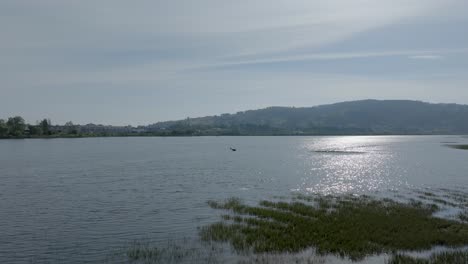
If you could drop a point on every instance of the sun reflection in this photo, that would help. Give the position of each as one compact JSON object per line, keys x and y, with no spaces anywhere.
{"x":351,"y":164}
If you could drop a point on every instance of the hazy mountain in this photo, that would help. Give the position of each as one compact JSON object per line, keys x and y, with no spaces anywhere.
{"x":356,"y":117}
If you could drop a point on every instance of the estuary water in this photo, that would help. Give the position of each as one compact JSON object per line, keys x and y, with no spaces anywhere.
{"x":78,"y":200}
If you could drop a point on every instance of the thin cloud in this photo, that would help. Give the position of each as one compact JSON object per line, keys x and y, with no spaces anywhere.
{"x":426,"y":57}
{"x":422,"y":54}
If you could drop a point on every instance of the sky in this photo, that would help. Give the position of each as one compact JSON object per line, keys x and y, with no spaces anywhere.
{"x":139,"y":62}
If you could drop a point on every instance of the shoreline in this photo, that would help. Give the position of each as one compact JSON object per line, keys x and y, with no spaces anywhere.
{"x":224,"y":135}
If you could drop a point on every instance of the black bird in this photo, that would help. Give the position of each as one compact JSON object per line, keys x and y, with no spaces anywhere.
{"x":233,"y":149}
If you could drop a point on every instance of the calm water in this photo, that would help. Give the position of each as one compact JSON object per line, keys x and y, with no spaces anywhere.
{"x":76,"y":200}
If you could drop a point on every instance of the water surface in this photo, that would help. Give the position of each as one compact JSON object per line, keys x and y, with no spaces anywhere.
{"x":76,"y":200}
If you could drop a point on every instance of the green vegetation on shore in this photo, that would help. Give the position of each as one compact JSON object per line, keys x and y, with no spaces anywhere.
{"x":16,"y":127}
{"x":13,"y":127}
{"x":345,"y":226}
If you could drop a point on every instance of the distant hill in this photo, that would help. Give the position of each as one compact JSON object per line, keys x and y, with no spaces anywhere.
{"x":366,"y":117}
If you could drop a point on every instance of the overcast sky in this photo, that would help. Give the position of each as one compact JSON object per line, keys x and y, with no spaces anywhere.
{"x":139,"y":62}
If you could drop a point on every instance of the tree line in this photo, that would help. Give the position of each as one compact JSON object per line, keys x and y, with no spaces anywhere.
{"x":17,"y":127}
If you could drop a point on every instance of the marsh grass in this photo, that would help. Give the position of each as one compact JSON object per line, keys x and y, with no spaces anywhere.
{"x":144,"y":252}
{"x":458,"y":196}
{"x":281,"y":259}
{"x":349,"y":226}
{"x":428,"y":196}
{"x":463,"y":216}
{"x":174,"y":252}
{"x":460,"y":146}
{"x":186,"y":252}
{"x":456,"y":257}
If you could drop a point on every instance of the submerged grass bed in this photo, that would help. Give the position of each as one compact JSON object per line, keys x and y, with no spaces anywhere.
{"x":145,"y":253}
{"x":460,"y":146}
{"x":456,"y":257}
{"x":345,"y":226}
{"x":463,"y":216}
{"x":181,"y":251}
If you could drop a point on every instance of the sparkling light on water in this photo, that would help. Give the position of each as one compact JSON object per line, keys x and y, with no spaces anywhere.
{"x":349,"y":164}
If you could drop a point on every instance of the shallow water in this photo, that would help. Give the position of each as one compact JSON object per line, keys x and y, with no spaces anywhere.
{"x":77,"y":200}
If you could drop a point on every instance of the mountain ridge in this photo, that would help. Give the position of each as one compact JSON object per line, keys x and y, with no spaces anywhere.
{"x":367,"y":116}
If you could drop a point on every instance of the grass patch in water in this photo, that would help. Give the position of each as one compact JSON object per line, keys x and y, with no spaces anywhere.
{"x":456,"y":257}
{"x":463,"y":146}
{"x":143,"y":253}
{"x":438,"y":200}
{"x":463,"y":216}
{"x":146,"y":253}
{"x":352,"y":227}
{"x":458,"y":196}
{"x":180,"y":251}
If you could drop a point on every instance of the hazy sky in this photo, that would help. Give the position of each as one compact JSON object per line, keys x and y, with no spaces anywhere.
{"x":138,"y":62}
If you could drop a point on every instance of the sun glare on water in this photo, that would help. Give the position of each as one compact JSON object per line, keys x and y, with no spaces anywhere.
{"x":354,"y":164}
